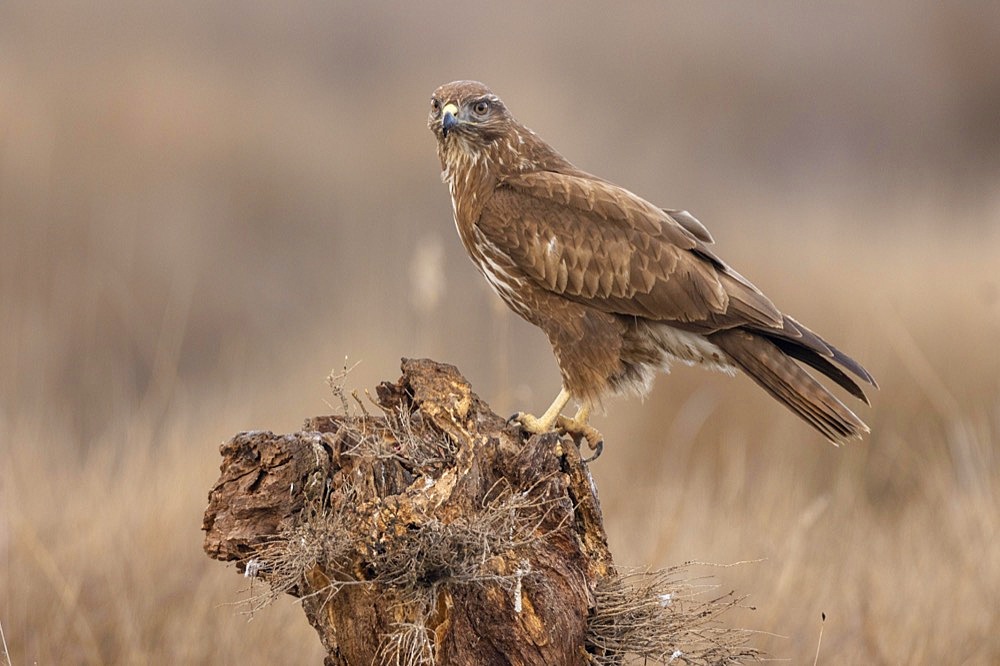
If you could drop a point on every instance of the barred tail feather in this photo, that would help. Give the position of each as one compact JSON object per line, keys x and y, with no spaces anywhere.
{"x":776,"y":371}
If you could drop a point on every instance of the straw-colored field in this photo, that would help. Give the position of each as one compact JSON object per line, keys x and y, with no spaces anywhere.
{"x":203,"y":209}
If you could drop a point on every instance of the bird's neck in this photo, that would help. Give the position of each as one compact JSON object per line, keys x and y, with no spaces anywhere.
{"x":469,"y":175}
{"x":473,"y":171}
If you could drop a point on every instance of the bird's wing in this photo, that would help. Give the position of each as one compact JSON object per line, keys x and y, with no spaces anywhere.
{"x":595,"y":243}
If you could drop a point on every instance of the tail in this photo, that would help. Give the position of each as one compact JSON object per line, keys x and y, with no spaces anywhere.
{"x":769,"y":359}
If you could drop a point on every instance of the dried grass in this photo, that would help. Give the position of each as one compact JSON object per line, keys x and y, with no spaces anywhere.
{"x":665,"y":617}
{"x":182,"y":248}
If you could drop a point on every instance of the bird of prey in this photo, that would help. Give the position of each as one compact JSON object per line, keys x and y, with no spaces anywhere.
{"x":621,"y":287}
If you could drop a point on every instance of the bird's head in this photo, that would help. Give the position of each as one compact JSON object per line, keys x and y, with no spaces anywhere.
{"x":468,"y":112}
{"x":475,"y":131}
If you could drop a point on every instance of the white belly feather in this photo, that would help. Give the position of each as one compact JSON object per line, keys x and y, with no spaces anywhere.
{"x":689,"y":348}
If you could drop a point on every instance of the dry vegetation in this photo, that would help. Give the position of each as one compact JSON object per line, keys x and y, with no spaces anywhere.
{"x":397,"y":563}
{"x":667,"y":616}
{"x":200,"y":216}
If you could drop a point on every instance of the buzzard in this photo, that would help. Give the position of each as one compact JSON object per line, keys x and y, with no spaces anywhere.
{"x":621,"y":287}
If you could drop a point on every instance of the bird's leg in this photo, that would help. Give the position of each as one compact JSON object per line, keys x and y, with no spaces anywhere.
{"x":579,"y":427}
{"x":537,"y":425}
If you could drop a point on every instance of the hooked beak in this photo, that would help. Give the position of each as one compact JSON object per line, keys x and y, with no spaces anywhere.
{"x":449,"y":118}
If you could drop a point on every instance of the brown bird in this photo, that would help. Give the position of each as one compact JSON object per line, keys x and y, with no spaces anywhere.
{"x":621,"y":287}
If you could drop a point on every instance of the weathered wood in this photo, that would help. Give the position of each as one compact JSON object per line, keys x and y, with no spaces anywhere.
{"x":432,"y":531}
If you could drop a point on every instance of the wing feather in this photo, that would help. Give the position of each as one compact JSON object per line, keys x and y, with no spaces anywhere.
{"x":594,"y":242}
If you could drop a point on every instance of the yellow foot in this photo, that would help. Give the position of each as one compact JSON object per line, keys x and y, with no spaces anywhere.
{"x":576,"y":427}
{"x":579,"y":429}
{"x":537,"y":425}
{"x":531,"y":423}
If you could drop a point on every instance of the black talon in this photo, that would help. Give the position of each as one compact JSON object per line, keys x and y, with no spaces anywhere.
{"x":597,"y":448}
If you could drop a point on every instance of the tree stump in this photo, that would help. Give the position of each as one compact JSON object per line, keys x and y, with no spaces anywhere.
{"x":436,"y":533}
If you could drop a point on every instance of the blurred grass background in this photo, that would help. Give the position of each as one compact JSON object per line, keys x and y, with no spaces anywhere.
{"x":204,"y":207}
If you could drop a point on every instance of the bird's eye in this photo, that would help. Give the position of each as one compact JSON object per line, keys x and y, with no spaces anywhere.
{"x":481,"y":107}
{"x":435,"y":105}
